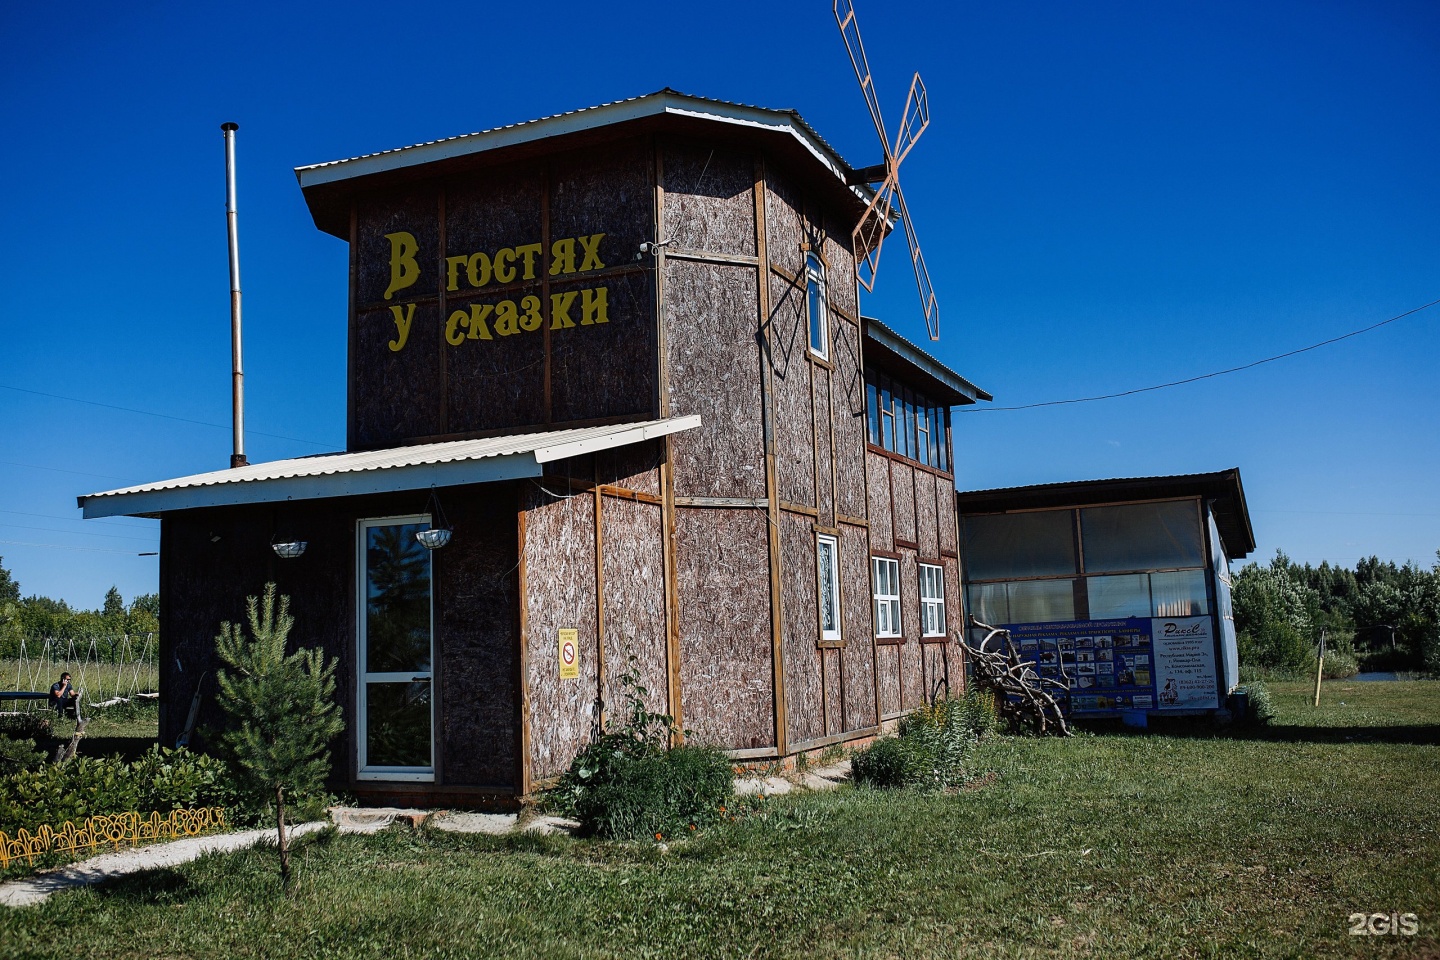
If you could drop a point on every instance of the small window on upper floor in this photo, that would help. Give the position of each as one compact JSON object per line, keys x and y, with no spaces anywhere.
{"x":815,"y":299}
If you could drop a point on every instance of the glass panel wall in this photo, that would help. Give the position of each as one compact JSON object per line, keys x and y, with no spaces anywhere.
{"x":1013,"y":545}
{"x":1131,"y":560}
{"x":1142,"y":536}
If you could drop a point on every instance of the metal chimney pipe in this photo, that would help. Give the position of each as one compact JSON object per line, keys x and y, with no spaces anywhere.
{"x":237,"y":459}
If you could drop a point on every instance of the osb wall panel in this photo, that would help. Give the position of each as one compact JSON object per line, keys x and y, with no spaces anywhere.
{"x":911,"y":682}
{"x":635,"y":466}
{"x":498,"y":208}
{"x":945,"y":497}
{"x":834,"y":693}
{"x":848,"y":391}
{"x":803,"y":703}
{"x":882,"y":518}
{"x":632,"y":546}
{"x":936,"y":670}
{"x":785,"y":227}
{"x":559,"y":593}
{"x":606,"y":369}
{"x":925,"y":510}
{"x":478,"y":588}
{"x":396,"y":394}
{"x":493,"y":366}
{"x":711,"y":318}
{"x":902,"y":486}
{"x":726,"y":655}
{"x":495,"y":383}
{"x":887,"y":673}
{"x":859,"y":652}
{"x":475,"y":591}
{"x":824,"y":459}
{"x":610,"y":191}
{"x":954,"y":608}
{"x":416,"y":212}
{"x":709,"y":198}
{"x":794,"y":434}
{"x":840,"y":266}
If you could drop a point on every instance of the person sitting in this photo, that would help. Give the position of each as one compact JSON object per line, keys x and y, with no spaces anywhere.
{"x":63,"y":696}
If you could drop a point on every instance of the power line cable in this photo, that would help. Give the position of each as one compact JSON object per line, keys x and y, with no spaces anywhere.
{"x":78,"y":473}
{"x":62,"y":546}
{"x":1203,"y":376}
{"x":163,"y":416}
{"x":56,"y":516}
{"x":78,"y":533}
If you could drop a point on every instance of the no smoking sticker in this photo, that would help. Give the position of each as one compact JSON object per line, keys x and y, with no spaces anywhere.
{"x":569,"y":655}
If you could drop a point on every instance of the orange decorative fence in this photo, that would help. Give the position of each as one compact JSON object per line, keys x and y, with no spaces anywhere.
{"x":108,"y":830}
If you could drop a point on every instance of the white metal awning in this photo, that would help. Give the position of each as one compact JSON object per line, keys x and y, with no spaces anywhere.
{"x":415,"y":467}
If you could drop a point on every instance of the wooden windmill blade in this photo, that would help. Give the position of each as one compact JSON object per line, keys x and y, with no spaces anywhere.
{"x":850,"y":32}
{"x":869,"y":234}
{"x":912,"y":122}
{"x":928,"y":303}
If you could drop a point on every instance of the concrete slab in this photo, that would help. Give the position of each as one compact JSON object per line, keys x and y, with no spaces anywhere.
{"x":33,"y":890}
{"x":460,"y":822}
{"x":375,"y":819}
{"x":550,"y":825}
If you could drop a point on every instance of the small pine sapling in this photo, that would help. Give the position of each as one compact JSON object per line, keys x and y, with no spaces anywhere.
{"x":282,"y":708}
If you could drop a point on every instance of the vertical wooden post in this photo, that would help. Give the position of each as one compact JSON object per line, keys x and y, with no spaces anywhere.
{"x":1320,"y":666}
{"x":772,"y":489}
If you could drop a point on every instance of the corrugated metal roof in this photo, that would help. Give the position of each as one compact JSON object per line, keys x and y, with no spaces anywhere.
{"x":665,"y":100}
{"x":918,"y":358}
{"x":1222,"y":488}
{"x":395,"y":468}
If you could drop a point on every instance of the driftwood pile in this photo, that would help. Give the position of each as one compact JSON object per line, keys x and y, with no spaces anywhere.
{"x":1021,"y":694}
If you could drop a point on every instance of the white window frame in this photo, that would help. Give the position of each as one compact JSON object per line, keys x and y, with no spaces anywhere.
{"x":886,"y":591}
{"x":822,"y":541}
{"x":932,"y":603}
{"x":815,"y":275}
{"x":363,"y":769}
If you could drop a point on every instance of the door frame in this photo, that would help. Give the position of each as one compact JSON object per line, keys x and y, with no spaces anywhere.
{"x":362,"y":595}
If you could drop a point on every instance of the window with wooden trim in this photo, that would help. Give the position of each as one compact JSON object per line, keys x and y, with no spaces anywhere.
{"x":827,"y":564}
{"x":906,"y":422}
{"x":885,"y":582}
{"x":932,"y":600}
{"x":815,"y":301}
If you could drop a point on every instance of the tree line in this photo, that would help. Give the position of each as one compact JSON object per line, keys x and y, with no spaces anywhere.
{"x":36,"y":619}
{"x":1379,"y":616}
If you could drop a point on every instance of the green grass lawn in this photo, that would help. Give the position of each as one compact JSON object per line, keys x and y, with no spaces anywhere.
{"x":1172,"y":843}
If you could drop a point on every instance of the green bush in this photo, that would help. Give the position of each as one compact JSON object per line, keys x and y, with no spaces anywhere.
{"x":931,"y":749}
{"x":626,"y":784}
{"x":981,"y":713}
{"x":17,"y":755}
{"x":1261,"y":706}
{"x":160,"y":781}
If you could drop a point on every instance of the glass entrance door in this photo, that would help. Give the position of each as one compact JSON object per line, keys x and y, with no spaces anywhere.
{"x":396,"y":647}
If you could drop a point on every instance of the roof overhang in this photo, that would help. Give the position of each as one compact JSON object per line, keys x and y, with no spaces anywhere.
{"x":887,"y":350}
{"x":417,"y":467}
{"x":1222,"y":490}
{"x":326,"y":185}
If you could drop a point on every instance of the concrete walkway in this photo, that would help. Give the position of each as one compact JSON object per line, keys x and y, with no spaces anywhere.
{"x":107,"y":866}
{"x":32,"y":890}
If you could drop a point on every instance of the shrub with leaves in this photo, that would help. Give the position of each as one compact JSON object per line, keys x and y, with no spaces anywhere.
{"x":160,"y":781}
{"x":629,"y":784}
{"x":931,"y":749}
{"x":1261,"y":709}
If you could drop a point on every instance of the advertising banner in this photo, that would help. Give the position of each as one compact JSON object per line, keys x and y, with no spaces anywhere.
{"x":1185,"y":663}
{"x":1131,"y":663}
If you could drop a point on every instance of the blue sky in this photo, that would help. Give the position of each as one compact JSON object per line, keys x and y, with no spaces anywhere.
{"x":1111,"y":195}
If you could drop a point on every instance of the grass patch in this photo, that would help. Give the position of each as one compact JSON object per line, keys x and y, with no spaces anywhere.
{"x":1172,"y":843}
